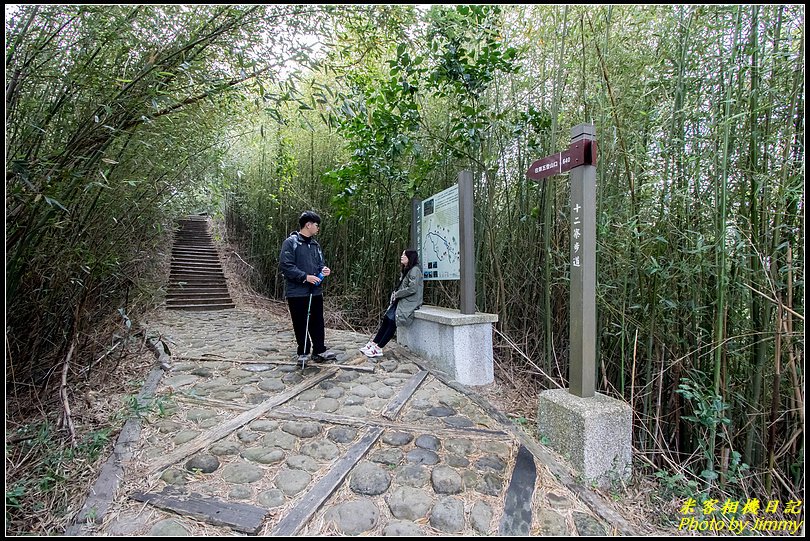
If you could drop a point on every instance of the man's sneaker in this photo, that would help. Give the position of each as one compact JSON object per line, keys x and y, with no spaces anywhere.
{"x":365,"y":349}
{"x":326,"y":356}
{"x":374,"y":351}
{"x":302,"y":360}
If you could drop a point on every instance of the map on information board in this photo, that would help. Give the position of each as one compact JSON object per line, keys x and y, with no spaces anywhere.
{"x":440,"y":254}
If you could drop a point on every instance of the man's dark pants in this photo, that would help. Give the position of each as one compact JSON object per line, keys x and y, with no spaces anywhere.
{"x":298,"y":313}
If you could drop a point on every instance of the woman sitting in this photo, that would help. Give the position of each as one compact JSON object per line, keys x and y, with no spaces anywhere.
{"x":404,"y":300}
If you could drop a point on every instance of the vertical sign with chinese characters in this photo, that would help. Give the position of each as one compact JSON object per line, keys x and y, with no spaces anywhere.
{"x":582,"y":328}
{"x":580,"y":159}
{"x":576,"y":233}
{"x":416,"y":226}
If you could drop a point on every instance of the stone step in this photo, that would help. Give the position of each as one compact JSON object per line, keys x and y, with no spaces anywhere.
{"x":194,"y":246}
{"x":187,"y":271}
{"x":193,"y":271}
{"x":185,"y":277}
{"x":179,"y":286}
{"x":178,"y":278}
{"x":196,"y":280}
{"x":182,"y":275}
{"x":201,"y":306}
{"x":194,"y":250}
{"x":195,"y":267}
{"x":196,"y":256}
{"x":204,"y":299}
{"x":181,"y":295}
{"x":194,"y":261}
{"x":176,"y":292}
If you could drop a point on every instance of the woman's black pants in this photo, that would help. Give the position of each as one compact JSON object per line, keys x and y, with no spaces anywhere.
{"x":387,"y":329}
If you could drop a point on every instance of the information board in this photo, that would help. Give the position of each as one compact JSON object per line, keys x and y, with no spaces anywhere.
{"x":439,"y":238}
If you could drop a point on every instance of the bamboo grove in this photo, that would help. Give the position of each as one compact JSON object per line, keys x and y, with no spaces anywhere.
{"x":119,"y":119}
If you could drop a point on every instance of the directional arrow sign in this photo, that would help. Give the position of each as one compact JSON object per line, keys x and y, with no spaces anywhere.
{"x":579,"y":153}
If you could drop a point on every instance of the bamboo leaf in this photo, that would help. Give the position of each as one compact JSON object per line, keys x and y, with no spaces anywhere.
{"x":55,"y":203}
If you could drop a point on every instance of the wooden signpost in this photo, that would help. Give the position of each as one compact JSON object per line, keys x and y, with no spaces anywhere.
{"x":580,"y":159}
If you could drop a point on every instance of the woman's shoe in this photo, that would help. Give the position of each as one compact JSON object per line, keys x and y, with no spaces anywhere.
{"x":365,"y":349}
{"x":374,"y":351}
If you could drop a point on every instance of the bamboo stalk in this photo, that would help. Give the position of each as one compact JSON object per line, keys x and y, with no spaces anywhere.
{"x":67,"y":419}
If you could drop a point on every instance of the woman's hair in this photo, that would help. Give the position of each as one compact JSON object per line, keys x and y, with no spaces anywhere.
{"x":413,"y":260}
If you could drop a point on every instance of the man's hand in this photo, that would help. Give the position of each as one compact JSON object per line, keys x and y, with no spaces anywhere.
{"x":312,"y":279}
{"x":326,"y":271}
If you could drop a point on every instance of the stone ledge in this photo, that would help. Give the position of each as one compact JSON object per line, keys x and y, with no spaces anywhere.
{"x":455,"y":343}
{"x":452,"y":316}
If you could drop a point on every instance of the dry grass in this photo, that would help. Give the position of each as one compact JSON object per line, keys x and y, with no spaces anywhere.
{"x":48,"y":478}
{"x":238,"y":274}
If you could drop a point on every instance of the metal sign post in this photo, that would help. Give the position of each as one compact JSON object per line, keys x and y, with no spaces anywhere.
{"x":580,"y":159}
{"x":465,"y":230}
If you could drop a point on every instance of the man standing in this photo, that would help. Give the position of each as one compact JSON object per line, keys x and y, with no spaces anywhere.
{"x":301,"y":261}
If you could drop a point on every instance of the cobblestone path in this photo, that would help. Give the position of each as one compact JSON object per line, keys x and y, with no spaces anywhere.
{"x":240,"y":440}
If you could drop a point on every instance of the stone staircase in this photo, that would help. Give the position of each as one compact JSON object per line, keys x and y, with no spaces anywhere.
{"x":196,"y":280}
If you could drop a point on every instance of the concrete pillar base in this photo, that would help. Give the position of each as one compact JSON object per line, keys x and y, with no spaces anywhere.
{"x":593,"y":434}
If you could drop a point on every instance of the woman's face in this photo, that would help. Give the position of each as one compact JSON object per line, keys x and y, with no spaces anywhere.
{"x":403,"y":259}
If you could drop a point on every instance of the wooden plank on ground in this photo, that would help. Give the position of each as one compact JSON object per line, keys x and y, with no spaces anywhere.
{"x":517,"y":508}
{"x":210,"y":402}
{"x":303,"y":511}
{"x":221,"y":431}
{"x":565,"y":476}
{"x":393,"y":408}
{"x":238,"y":516}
